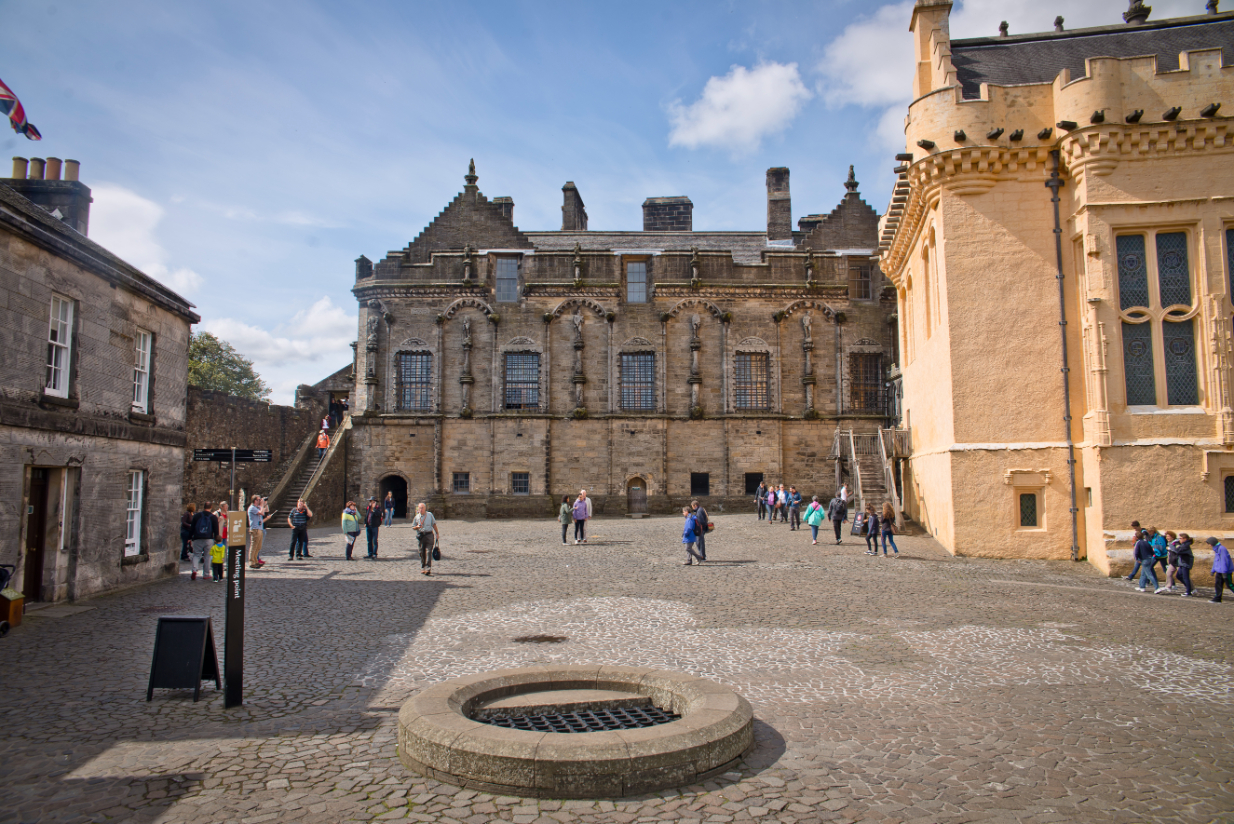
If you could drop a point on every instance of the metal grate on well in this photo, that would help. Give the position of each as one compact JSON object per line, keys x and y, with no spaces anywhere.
{"x":587,"y":720}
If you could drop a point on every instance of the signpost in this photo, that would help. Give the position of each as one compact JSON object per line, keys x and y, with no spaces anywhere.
{"x":237,"y":539}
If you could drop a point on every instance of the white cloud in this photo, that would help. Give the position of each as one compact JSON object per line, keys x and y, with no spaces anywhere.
{"x":124,"y":223}
{"x":323,"y":331}
{"x":738,"y":110}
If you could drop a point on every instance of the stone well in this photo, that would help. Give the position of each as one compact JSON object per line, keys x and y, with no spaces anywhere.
{"x":448,"y":732}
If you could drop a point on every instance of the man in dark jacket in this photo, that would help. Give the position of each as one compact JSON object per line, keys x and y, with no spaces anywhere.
{"x":1145,"y":560}
{"x":700,"y":515}
{"x":205,"y":531}
{"x":372,"y":523}
{"x":760,"y":500}
{"x":837,"y":513}
{"x":794,"y":508}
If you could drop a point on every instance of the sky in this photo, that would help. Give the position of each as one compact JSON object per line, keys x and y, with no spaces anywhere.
{"x":245,"y":153}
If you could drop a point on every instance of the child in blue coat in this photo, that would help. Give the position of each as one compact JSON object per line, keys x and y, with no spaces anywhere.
{"x":689,"y":537}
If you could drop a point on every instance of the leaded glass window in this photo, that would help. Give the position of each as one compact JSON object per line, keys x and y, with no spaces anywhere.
{"x":751,"y":388}
{"x":867,"y":381}
{"x":638,"y":380}
{"x":636,"y":282}
{"x":1132,"y":272}
{"x":59,"y":347}
{"x":1173,"y":273}
{"x":520,"y":483}
{"x":1138,"y":364}
{"x":1180,"y":366}
{"x":413,"y":381}
{"x":1229,"y":493}
{"x":134,"y":495}
{"x":1028,"y":509}
{"x":507,"y":280}
{"x":522,"y":380}
{"x":462,"y":483}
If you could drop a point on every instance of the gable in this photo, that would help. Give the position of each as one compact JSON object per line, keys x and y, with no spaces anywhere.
{"x":470,"y":218}
{"x":851,"y":225}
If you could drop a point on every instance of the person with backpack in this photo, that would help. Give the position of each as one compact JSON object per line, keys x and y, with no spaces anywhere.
{"x":760,"y":500}
{"x":689,"y":537}
{"x":351,"y":527}
{"x":702,"y":523}
{"x":837,"y":513}
{"x":1184,"y":559}
{"x":1222,"y":569}
{"x":298,"y":521}
{"x":205,"y":531}
{"x":794,"y":508}
{"x":1145,"y":560}
{"x":815,"y":515}
{"x":1161,"y":550}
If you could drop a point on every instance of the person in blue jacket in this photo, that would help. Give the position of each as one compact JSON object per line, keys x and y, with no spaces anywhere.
{"x":689,"y":537}
{"x":1222,"y":568}
{"x":1145,"y":559}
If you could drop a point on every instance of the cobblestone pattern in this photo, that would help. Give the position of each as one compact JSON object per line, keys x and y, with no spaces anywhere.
{"x":929,"y":688}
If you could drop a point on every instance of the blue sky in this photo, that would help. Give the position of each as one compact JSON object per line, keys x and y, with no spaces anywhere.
{"x":245,"y":153}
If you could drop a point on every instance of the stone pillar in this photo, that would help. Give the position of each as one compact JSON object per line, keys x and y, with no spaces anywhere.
{"x":465,"y":379}
{"x":807,"y":379}
{"x":696,"y":377}
{"x":580,"y":378}
{"x":373,"y":330}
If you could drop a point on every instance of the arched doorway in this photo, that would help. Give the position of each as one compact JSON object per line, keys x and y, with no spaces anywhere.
{"x":636,"y":496}
{"x":397,"y":485}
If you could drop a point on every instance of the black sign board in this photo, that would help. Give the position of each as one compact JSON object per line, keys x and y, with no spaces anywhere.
{"x":233,"y":654}
{"x":238,"y":455}
{"x":184,"y":655}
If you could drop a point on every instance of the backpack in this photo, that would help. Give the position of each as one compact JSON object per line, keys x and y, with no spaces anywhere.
{"x":203,"y":526}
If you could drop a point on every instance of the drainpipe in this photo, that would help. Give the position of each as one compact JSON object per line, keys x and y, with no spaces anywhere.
{"x":1054,"y":184}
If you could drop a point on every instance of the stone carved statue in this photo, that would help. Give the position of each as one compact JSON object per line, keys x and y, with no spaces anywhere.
{"x":577,"y":317}
{"x":695,"y":323}
{"x":375,"y":312}
{"x":467,"y":331}
{"x":806,"y":320}
{"x":578,"y":262}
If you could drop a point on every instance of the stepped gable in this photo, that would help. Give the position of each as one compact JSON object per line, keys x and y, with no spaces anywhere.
{"x":851,"y":225}
{"x":471,"y":218}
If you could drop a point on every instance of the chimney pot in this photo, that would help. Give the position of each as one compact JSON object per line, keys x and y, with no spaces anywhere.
{"x":668,"y":214}
{"x":779,"y":205}
{"x":36,"y":168}
{"x":20,"y":164}
{"x":71,"y":169}
{"x":53,"y":169}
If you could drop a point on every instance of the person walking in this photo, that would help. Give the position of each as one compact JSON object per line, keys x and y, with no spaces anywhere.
{"x":186,"y":531}
{"x":581,"y":513}
{"x":794,"y":509}
{"x":843,"y":493}
{"x":837,"y":513}
{"x":1171,"y":560}
{"x":760,"y":500}
{"x":205,"y":535}
{"x":871,"y":530}
{"x":1186,"y":560}
{"x":351,"y":528}
{"x":701,"y":522}
{"x":425,"y":526}
{"x":782,"y":504}
{"x":388,"y":506}
{"x":1222,"y":568}
{"x":1145,"y":560}
{"x":1135,"y":536}
{"x":258,"y":515}
{"x":323,"y":443}
{"x":771,"y":505}
{"x":815,"y":515}
{"x":887,"y":525}
{"x":372,"y":525}
{"x":218,"y":554}
{"x":689,"y":537}
{"x":1161,"y":549}
{"x":564,"y":516}
{"x":298,"y":521}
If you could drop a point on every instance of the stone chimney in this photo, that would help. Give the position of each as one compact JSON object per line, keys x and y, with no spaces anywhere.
{"x":38,"y":181}
{"x":1137,"y":14}
{"x":506,"y":204}
{"x":364,"y":268}
{"x":668,"y":214}
{"x":931,"y":30}
{"x":779,"y":205}
{"x":573,"y":212}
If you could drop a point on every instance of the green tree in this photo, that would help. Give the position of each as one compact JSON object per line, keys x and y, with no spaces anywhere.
{"x":215,"y":364}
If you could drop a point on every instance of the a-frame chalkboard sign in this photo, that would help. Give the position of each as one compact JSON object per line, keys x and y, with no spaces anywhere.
{"x":184,"y":655}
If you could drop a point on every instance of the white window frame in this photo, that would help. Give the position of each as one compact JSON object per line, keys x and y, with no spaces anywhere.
{"x":59,"y":346}
{"x":134,"y":503}
{"x":141,"y":371}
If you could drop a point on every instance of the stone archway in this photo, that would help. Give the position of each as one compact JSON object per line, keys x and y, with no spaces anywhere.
{"x":636,"y":497}
{"x":398,"y":485}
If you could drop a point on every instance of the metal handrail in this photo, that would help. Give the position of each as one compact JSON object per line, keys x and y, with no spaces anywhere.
{"x":855,"y":466}
{"x":889,"y":481}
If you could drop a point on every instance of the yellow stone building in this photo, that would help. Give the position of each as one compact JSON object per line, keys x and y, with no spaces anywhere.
{"x":1134,"y":259}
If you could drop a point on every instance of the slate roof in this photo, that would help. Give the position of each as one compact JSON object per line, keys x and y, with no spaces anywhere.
{"x":40,"y":227}
{"x":747,"y":247}
{"x":1038,"y":58}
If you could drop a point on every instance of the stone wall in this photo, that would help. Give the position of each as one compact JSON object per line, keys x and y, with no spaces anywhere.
{"x":217,"y":420}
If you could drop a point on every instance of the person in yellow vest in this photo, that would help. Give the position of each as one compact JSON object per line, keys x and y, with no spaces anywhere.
{"x":218,"y":553}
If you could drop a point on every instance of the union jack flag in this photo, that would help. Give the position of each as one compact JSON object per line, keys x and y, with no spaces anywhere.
{"x":11,"y":106}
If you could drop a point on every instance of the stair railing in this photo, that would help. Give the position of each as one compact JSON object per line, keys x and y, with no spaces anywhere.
{"x":334,"y":442}
{"x":855,"y":465}
{"x":889,"y":479}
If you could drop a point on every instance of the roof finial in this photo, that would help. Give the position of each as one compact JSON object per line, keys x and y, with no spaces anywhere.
{"x":470,"y":177}
{"x":851,"y":183}
{"x":1212,"y":6}
{"x":1058,"y":23}
{"x":1002,"y":29}
{"x":1137,"y":13}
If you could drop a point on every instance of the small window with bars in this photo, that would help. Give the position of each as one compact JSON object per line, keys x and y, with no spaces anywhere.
{"x":861,"y":283}
{"x":520,"y":483}
{"x":462,"y":483}
{"x":507,"y":280}
{"x":522,"y":380}
{"x":1229,"y":494}
{"x":636,"y":282}
{"x":638,"y":380}
{"x":1028,"y":510}
{"x":866,"y":373}
{"x":134,"y":499}
{"x":751,"y":384}
{"x":141,"y":372}
{"x":413,"y":382}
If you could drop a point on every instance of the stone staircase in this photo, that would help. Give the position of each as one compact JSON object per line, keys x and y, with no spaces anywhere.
{"x":293,"y":492}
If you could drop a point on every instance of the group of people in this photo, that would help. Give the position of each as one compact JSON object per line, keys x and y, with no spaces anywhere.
{"x":784,"y":504}
{"x":577,"y":513}
{"x":381,"y":513}
{"x":204,"y":531}
{"x":1173,"y":552}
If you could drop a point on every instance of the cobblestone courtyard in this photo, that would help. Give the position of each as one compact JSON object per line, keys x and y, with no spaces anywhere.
{"x":928,"y":688}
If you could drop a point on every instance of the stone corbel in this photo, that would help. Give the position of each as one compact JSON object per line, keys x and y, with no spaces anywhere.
{"x":1027,"y":477}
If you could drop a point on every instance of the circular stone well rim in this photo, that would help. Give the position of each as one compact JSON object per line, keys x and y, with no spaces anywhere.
{"x":437,"y":738}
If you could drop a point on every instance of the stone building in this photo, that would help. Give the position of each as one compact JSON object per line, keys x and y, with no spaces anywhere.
{"x":92,"y":398}
{"x":1124,"y":125}
{"x":499,"y":369}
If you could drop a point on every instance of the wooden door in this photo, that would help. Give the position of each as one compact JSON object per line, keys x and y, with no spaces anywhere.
{"x":36,"y":533}
{"x":636,"y":498}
